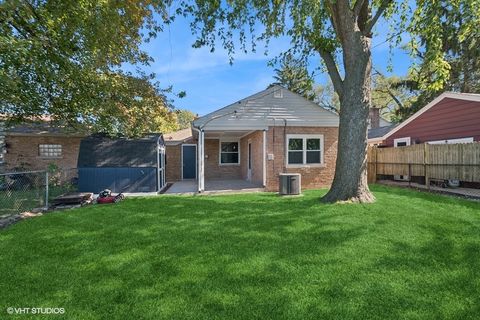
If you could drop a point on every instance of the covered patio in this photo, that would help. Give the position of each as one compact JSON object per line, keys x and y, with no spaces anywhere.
{"x":215,"y":186}
{"x":230,"y":159}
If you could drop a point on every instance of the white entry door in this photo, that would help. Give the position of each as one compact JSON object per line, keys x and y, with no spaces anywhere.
{"x":401,"y":142}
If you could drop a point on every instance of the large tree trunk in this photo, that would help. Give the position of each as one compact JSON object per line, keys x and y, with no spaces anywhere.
{"x":350,"y":181}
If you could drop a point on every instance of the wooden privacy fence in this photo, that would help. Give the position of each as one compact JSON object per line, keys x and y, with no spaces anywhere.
{"x":431,"y":161}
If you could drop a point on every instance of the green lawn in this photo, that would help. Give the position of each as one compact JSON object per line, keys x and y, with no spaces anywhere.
{"x":408,"y":256}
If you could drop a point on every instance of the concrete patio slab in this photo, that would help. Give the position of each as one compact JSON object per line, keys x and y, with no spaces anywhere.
{"x":183,"y":187}
{"x":189,"y":187}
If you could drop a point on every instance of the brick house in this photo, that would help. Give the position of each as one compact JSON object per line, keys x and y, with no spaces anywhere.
{"x":255,"y":139}
{"x":36,"y":146}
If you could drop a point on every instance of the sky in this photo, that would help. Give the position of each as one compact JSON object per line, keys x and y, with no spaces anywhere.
{"x":210,"y":82}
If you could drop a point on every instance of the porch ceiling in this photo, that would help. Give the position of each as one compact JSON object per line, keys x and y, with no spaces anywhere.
{"x":226,"y":134}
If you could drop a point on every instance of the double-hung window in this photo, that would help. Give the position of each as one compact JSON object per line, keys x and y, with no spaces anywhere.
{"x":304,"y":149}
{"x":229,"y":152}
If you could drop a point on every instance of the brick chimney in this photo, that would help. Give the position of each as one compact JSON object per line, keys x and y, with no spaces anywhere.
{"x":374,"y":117}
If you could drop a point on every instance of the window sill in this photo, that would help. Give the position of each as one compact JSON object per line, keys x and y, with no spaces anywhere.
{"x":306,"y":166}
{"x":228,"y":164}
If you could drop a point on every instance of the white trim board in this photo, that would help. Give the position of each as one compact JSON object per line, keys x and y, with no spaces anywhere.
{"x":452,"y":141}
{"x":452,"y":95}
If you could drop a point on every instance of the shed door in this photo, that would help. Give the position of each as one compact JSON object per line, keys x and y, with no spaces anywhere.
{"x":189,"y":161}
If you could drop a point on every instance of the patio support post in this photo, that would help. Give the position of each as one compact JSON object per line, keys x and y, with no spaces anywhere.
{"x":264,"y":158}
{"x":201,"y":177}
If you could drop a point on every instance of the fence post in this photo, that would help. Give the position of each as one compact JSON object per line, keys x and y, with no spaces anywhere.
{"x":46,"y":190}
{"x":409,"y":174}
{"x":425,"y":164}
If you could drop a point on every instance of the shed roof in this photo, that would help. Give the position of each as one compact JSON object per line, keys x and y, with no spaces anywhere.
{"x":102,"y":151}
{"x":271,"y":106}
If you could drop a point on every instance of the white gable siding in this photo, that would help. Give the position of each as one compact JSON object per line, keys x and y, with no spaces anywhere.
{"x":262,"y":110}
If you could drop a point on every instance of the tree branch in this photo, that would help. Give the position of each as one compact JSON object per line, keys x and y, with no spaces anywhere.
{"x":332,"y":70}
{"x":392,"y":95}
{"x":371,"y":23}
{"x":357,"y":7}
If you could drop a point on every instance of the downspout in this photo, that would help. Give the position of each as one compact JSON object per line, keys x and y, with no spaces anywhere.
{"x":273,"y":146}
{"x":264,"y":158}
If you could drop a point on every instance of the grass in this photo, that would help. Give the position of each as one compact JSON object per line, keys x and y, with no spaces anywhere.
{"x":408,"y":256}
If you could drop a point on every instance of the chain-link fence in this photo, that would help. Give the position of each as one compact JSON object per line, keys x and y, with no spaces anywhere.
{"x":29,"y":190}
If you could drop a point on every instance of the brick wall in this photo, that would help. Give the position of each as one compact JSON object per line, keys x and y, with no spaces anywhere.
{"x":213,"y":170}
{"x":313,"y":177}
{"x":256,"y":139}
{"x":173,"y":166}
{"x":22,"y":152}
{"x":173,"y":163}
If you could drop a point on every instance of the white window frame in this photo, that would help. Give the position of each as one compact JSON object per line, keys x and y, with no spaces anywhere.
{"x":49,"y":145}
{"x":220,"y":152}
{"x":305,"y":137}
{"x":407,"y":140}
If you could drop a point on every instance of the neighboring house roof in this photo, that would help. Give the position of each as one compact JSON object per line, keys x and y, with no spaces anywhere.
{"x":42,"y":128}
{"x":380,"y":131}
{"x":177,"y":137}
{"x":272,"y":106}
{"x":101,"y":151}
{"x":452,"y":95}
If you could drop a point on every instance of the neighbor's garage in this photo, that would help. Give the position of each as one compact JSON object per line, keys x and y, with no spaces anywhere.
{"x":121,"y":164}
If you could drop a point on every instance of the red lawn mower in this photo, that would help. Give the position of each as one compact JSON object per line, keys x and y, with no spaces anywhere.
{"x":106,"y":196}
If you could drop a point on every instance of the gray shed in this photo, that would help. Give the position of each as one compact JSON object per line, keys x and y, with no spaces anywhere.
{"x":121,"y":164}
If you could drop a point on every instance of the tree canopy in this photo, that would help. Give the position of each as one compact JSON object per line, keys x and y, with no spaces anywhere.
{"x":452,"y":27}
{"x":185,"y":118}
{"x":64,"y":58}
{"x":293,"y":75}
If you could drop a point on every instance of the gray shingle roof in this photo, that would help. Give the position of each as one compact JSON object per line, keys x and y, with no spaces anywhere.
{"x":101,"y":151}
{"x":380,"y":132}
{"x":41,"y":128}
